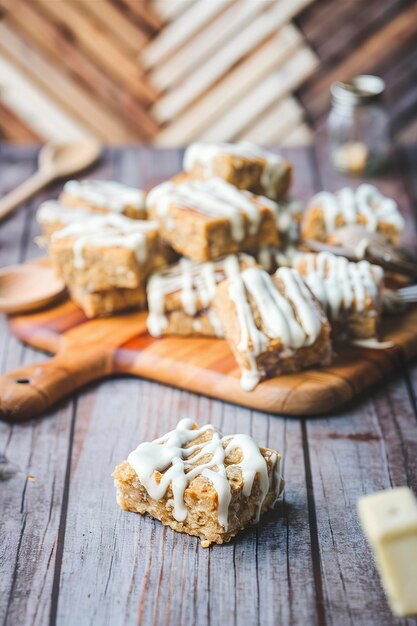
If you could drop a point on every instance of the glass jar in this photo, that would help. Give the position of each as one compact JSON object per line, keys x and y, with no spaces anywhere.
{"x":358,"y":125}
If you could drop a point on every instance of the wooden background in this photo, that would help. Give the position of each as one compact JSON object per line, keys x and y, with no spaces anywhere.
{"x":70,"y":557}
{"x":170,"y":71}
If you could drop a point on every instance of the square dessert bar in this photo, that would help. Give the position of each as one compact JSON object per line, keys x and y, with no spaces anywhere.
{"x":53,"y":215}
{"x":108,"y":301}
{"x":244,"y":165}
{"x":365,"y":206}
{"x":274,"y":324}
{"x":198,"y":482}
{"x":104,"y":196}
{"x":207,"y":219}
{"x":180,"y":296}
{"x":107,"y":251}
{"x":350,"y":293}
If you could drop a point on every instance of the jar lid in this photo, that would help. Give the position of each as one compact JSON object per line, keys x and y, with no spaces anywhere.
{"x":363,"y":89}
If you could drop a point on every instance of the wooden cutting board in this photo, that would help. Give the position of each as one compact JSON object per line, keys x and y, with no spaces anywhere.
{"x":87,"y":350}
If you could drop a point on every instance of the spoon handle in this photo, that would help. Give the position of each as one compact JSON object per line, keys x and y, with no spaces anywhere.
{"x":23,"y":192}
{"x":31,"y":390}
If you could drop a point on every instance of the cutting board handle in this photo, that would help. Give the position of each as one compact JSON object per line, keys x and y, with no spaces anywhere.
{"x":29,"y":391}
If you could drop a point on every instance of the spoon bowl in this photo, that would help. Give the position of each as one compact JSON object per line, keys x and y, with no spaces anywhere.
{"x":25,"y":288}
{"x":54,"y":161}
{"x":64,"y":159}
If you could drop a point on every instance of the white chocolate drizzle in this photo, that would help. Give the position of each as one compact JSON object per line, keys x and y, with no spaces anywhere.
{"x":205,"y":156}
{"x":109,"y":230}
{"x":106,"y":194}
{"x":366,"y":200}
{"x":212,"y":197}
{"x":169,"y":456}
{"x":293,"y":318}
{"x":195,"y":283}
{"x":54,"y":212}
{"x":271,"y":257}
{"x":339,"y":284}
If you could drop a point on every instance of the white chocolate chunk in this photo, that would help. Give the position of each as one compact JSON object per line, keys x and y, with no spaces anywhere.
{"x":389,"y":521}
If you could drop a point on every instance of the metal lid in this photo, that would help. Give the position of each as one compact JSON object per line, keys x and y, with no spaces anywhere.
{"x":361,"y":90}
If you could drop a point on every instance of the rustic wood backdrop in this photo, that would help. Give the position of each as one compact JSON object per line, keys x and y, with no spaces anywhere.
{"x":170,"y":71}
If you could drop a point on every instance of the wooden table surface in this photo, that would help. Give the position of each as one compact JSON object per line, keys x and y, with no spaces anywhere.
{"x":69,"y":556}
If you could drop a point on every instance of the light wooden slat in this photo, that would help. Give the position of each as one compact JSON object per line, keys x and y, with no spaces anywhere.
{"x":13,"y":128}
{"x":39,"y":29}
{"x":180,"y":30}
{"x":53,"y":82}
{"x":208,"y":41}
{"x":232,"y":88}
{"x":32,"y":105}
{"x":95,"y":43}
{"x":169,"y":106}
{"x":145,"y":14}
{"x":126,"y":34}
{"x":170,"y":9}
{"x":275,"y":123}
{"x":280,"y":83}
{"x":300,"y":136}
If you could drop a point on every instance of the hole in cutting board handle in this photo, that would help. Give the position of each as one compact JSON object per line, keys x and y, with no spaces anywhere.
{"x":23,"y":381}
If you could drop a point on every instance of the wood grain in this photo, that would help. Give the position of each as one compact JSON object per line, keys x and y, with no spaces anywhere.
{"x":306,"y":564}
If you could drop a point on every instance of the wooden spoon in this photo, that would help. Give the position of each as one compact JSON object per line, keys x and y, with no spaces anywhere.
{"x":54,"y":161}
{"x":28,"y":287}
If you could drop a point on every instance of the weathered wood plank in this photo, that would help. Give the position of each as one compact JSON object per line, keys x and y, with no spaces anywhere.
{"x":276,"y":86}
{"x":195,"y":52}
{"x":37,"y":110}
{"x":189,"y":22}
{"x":13,"y":128}
{"x":124,"y":33}
{"x":170,"y":9}
{"x":144,"y":13}
{"x":73,"y":97}
{"x":27,"y":19}
{"x":32,"y":458}
{"x":275,"y":123}
{"x":112,"y":59}
{"x":302,"y":135}
{"x":275,"y":16}
{"x":241,"y":80}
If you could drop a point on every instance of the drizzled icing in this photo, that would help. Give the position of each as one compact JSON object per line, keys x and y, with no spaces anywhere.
{"x":292,"y":318}
{"x":195,"y":283}
{"x":339,"y":284}
{"x":271,"y":257}
{"x":177,"y":462}
{"x":213,"y":197}
{"x":106,"y":194}
{"x":366,"y":200}
{"x":51,"y":212}
{"x":110,"y":230}
{"x":287,"y":217}
{"x":205,"y":155}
